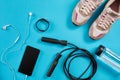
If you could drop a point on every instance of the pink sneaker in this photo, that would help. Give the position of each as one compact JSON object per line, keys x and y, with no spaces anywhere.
{"x":102,"y":25}
{"x":84,"y":10}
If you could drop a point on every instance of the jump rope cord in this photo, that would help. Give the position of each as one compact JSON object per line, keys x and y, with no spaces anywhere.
{"x":75,"y":53}
{"x":7,"y":49}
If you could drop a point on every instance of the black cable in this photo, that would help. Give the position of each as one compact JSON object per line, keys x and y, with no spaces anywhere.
{"x":75,"y":52}
{"x":78,"y":52}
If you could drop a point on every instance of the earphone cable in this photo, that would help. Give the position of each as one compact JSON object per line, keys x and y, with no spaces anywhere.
{"x":7,"y":49}
{"x":26,"y":76}
{"x":15,"y":41}
{"x":28,"y":32}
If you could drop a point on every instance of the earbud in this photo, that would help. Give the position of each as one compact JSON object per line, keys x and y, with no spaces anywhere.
{"x":29,"y":17}
{"x":6,"y":26}
{"x":30,"y":14}
{"x":9,"y":25}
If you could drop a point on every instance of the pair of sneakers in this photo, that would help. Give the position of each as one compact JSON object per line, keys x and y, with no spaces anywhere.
{"x":101,"y":26}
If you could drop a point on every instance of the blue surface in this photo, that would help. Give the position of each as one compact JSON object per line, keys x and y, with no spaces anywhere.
{"x":58,"y":12}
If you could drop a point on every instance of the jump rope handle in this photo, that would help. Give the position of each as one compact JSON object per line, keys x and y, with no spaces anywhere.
{"x":53,"y":65}
{"x":58,"y":56}
{"x":55,"y":41}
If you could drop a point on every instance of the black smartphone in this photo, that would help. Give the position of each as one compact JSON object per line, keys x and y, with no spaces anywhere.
{"x":29,"y":60}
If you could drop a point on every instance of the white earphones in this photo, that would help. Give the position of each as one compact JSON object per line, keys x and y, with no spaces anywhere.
{"x":16,"y":40}
{"x":30,"y":13}
{"x":9,"y":25}
{"x":30,"y":16}
{"x":9,"y":47}
{"x":6,"y":26}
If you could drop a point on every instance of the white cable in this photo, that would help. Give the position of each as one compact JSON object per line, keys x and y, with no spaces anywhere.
{"x":29,"y":22}
{"x":6,"y":62}
{"x":8,"y":48}
{"x":16,"y":40}
{"x":25,"y":77}
{"x":28,"y":33}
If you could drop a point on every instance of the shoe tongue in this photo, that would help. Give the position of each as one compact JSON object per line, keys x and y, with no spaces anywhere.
{"x":113,"y":13}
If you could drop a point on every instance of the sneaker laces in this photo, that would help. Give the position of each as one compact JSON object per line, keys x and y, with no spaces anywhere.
{"x":105,"y":21}
{"x":88,"y":7}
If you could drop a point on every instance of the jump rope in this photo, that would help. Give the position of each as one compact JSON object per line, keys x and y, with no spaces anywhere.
{"x":75,"y":53}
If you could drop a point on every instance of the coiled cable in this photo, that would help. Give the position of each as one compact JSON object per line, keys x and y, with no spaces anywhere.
{"x":74,"y":53}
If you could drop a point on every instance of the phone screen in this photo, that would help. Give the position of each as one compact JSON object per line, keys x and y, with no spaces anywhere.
{"x":29,"y":60}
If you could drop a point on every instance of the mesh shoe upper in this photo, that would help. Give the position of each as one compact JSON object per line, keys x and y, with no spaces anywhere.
{"x":84,"y":10}
{"x":102,"y":25}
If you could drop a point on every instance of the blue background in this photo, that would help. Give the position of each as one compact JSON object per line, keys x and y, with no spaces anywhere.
{"x":58,"y":12}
